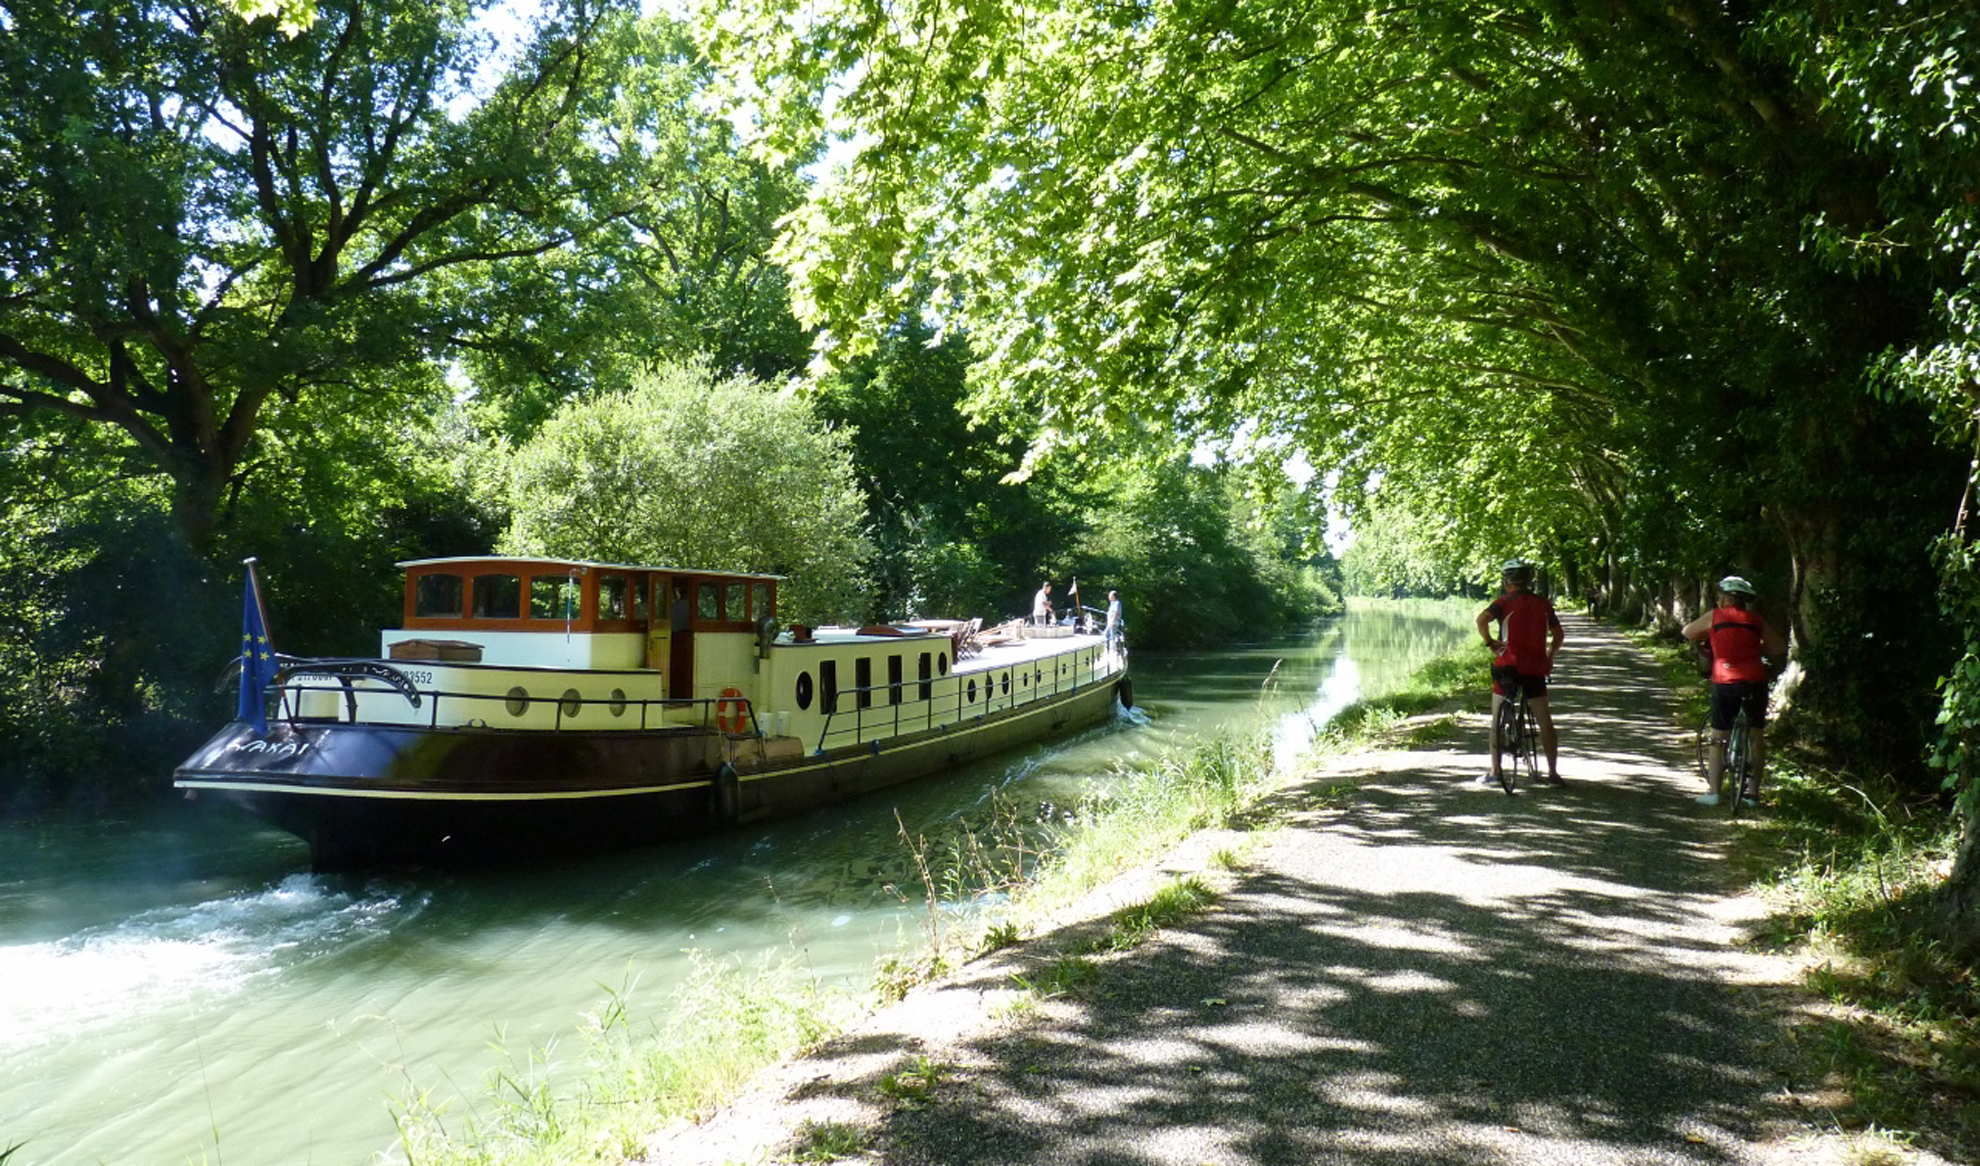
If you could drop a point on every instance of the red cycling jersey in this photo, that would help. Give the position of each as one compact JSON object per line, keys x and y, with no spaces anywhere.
{"x":1525,"y":621}
{"x":1735,"y":642}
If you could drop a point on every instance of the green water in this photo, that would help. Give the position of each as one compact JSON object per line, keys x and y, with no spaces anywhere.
{"x":178,"y":988}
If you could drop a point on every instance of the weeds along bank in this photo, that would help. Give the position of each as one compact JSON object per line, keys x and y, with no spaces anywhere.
{"x":1845,"y":863}
{"x":1848,"y":863}
{"x":623,"y":1074}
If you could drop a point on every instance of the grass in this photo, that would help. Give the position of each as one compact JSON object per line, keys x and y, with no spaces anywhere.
{"x":631,"y":1080}
{"x":1404,"y":717}
{"x":1848,"y":865}
{"x":1848,"y":868}
{"x":914,"y":1086}
{"x":827,"y":1141}
{"x":726,"y":1023}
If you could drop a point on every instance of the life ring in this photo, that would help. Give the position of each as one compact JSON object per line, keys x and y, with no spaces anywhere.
{"x":1125,"y":691}
{"x":731,"y":711}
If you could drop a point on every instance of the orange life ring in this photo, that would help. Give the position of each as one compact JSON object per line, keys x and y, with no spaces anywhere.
{"x":731,"y":711}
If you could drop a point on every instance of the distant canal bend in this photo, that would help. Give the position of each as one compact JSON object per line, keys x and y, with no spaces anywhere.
{"x":177,"y":988}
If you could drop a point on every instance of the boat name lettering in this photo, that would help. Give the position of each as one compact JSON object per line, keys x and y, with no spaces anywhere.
{"x":272,"y":748}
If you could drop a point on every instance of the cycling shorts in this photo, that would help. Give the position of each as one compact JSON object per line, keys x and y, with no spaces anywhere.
{"x":1507,"y":681}
{"x":1728,"y":699}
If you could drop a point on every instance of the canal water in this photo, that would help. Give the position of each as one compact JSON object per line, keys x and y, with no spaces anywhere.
{"x":176,"y":987}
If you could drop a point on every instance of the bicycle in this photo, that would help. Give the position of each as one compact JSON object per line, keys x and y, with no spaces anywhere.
{"x":1518,"y":734}
{"x":1738,"y":774}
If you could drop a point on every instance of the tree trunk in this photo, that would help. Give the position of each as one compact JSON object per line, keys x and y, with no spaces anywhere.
{"x":1956,"y":911}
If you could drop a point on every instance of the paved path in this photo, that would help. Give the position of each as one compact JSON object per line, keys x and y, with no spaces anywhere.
{"x":1425,"y":972}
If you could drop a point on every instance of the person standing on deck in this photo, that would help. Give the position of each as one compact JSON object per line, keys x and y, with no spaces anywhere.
{"x":1740,"y":639}
{"x":1041,"y":605}
{"x":1529,"y":638}
{"x":1113,"y":616}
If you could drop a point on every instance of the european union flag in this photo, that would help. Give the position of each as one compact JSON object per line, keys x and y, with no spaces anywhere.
{"x":257,"y":658}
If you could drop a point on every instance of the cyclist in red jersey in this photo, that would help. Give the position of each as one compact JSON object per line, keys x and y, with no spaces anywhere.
{"x":1529,"y":637}
{"x":1740,"y":638}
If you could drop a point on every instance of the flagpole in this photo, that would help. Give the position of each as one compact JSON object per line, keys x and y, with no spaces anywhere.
{"x":254,"y":584}
{"x":257,"y":655}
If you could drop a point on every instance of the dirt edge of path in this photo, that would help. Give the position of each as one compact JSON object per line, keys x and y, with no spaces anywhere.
{"x":844,"y":1085}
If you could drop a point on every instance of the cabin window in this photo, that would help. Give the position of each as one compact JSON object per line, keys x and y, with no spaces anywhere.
{"x":893,"y":680}
{"x":921,"y":673}
{"x":612,"y":597}
{"x":571,"y":703}
{"x":517,"y":701}
{"x":1007,"y":684}
{"x":972,"y":690}
{"x":553,"y":597}
{"x":737,"y":601}
{"x":617,"y":704}
{"x":863,"y":681}
{"x":498,"y":597}
{"x":636,"y":593}
{"x":711,"y":601}
{"x":659,"y":599}
{"x":437,"y":595}
{"x":942,"y":663}
{"x":759,"y":606}
{"x":803,"y":691}
{"x":828,"y":682}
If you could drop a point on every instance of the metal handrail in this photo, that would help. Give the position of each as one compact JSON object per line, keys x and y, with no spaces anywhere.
{"x":846,"y":702}
{"x":436,"y":697}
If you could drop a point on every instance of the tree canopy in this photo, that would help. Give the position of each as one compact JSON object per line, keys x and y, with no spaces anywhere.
{"x":1652,"y":290}
{"x":216,"y":225}
{"x":684,"y":469}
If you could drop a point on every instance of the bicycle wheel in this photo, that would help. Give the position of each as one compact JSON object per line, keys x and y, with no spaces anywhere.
{"x":1505,"y":731}
{"x":1529,"y":743}
{"x":1739,"y":764}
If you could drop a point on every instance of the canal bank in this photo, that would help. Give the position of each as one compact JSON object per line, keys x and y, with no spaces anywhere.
{"x":181,"y":988}
{"x":1401,"y":966}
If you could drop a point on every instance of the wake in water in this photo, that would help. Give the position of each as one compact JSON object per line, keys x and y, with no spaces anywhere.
{"x":173,"y":955}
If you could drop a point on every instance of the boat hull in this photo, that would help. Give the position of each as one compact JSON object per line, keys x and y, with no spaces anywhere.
{"x":380,"y":795}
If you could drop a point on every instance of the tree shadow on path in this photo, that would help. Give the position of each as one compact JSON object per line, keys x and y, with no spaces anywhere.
{"x":1432,"y":973}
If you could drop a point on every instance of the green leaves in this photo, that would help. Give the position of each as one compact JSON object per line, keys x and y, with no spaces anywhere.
{"x":686,"y":470}
{"x":207,"y":213}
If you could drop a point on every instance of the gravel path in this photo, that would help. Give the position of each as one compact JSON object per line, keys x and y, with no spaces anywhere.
{"x":1425,"y":971}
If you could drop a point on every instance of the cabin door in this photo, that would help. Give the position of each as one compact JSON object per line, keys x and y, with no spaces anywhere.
{"x":680,"y":661}
{"x":658,"y":641}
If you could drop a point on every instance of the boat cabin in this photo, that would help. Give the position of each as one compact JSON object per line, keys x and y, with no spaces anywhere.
{"x":564,"y":613}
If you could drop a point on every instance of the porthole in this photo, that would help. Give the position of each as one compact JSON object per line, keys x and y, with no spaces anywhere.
{"x":571,"y":703}
{"x":942,"y":663}
{"x":518,"y":702}
{"x":618,"y":702}
{"x":1007,"y":684}
{"x":804,"y":690}
{"x":972,"y":690}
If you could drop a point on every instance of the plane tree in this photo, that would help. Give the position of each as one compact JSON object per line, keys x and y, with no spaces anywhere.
{"x":214,"y":225}
{"x":683,"y":269}
{"x":1627,"y":279}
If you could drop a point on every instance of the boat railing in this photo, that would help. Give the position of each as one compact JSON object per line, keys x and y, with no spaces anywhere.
{"x":956,"y":698}
{"x":515,"y":706}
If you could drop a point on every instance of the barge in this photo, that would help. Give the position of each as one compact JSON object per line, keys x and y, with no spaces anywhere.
{"x":531,"y":707}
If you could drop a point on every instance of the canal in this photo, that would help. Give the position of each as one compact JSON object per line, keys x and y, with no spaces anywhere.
{"x":178,"y":988}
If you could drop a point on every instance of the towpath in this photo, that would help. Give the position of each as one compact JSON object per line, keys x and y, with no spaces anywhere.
{"x":1422,"y":971}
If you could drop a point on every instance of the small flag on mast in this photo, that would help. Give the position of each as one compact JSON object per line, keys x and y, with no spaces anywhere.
{"x":257,"y":657}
